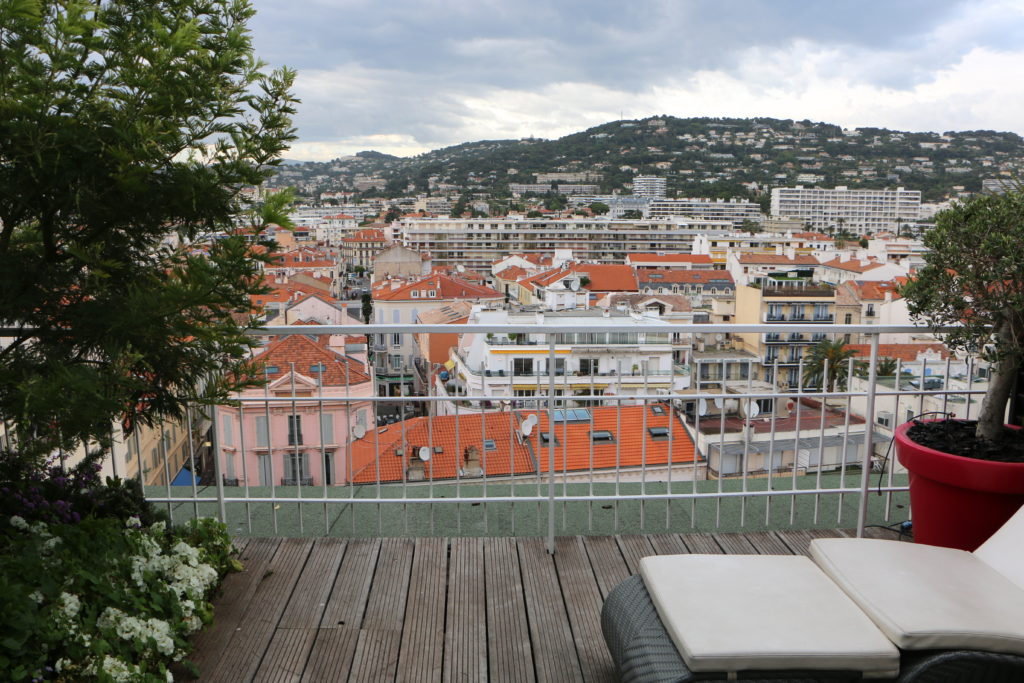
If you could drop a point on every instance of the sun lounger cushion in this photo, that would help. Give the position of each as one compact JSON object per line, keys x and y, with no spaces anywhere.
{"x":925,"y":597}
{"x":734,"y":613}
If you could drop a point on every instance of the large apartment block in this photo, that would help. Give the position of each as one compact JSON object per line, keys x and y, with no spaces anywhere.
{"x":735,"y":210}
{"x":855,"y":210}
{"x":477,"y":242}
{"x":649,"y":186}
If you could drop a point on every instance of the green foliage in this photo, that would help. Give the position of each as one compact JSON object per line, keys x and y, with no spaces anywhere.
{"x":599,"y":208}
{"x":632,"y":215}
{"x":123,"y":123}
{"x":827,"y":365}
{"x":85,"y":601}
{"x":973,"y":279}
{"x":367,"y":308}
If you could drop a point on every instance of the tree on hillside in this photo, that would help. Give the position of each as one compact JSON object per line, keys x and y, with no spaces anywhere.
{"x":599,"y":208}
{"x":128,"y":129}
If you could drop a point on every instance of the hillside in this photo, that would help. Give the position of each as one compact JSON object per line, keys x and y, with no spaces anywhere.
{"x":699,"y":157}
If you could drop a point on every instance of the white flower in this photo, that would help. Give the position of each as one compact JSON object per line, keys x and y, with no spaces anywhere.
{"x":69,"y":605}
{"x":158,"y":527}
{"x":133,"y":522}
{"x":37,"y":597}
{"x":19,"y":522}
{"x":169,"y":677}
{"x":50,"y":543}
{"x":119,"y":670}
{"x":62,"y":664}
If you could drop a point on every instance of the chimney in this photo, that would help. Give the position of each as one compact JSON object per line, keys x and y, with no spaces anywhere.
{"x":844,"y":256}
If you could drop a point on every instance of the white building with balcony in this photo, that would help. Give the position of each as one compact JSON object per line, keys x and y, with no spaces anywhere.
{"x":518,"y":367}
{"x":856,"y":210}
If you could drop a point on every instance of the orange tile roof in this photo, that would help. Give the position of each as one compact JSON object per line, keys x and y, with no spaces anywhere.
{"x":631,"y":444}
{"x":779,"y":259}
{"x":446,"y":286}
{"x":304,"y":353}
{"x":366,"y":235}
{"x":604,"y":277}
{"x":853,"y":265}
{"x":903,"y":352}
{"x":512,"y":273}
{"x":670,"y":258}
{"x":685,"y":276}
{"x":876,"y":291}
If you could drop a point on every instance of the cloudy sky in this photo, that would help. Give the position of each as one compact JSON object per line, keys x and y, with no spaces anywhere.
{"x":407,"y":76}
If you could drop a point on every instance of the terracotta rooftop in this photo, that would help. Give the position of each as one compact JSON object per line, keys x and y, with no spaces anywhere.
{"x":904,"y":352}
{"x":624,"y":439}
{"x":444,"y":287}
{"x":308,"y":354}
{"x":853,"y":265}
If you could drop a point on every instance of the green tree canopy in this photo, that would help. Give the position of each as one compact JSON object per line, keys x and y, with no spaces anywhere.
{"x":973,"y":279}
{"x":827,"y":365}
{"x":127,"y":130}
{"x":599,"y":208}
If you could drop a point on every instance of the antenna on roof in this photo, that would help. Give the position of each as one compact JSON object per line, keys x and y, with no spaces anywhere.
{"x":424,"y":453}
{"x":528,"y":424}
{"x":359,"y":431}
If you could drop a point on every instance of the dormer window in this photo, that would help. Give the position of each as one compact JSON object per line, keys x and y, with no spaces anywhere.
{"x":415,"y":294}
{"x":432,"y":294}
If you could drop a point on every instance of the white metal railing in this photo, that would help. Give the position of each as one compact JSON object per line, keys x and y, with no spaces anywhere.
{"x":588,"y":462}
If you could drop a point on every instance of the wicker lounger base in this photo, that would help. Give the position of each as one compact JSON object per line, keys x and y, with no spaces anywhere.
{"x":643,"y":652}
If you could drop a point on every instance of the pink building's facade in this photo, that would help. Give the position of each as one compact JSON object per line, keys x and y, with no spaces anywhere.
{"x":304,"y":439}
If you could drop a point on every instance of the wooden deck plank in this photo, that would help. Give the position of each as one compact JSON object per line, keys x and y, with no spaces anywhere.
{"x":420,"y":656}
{"x":799,"y":540}
{"x":554,"y":653}
{"x":314,"y":586}
{"x":376,"y":656}
{"x":465,"y":629}
{"x":767,"y":543}
{"x":330,"y":660}
{"x":668,"y":544}
{"x":583,"y":602}
{"x":735,"y":544}
{"x":607,"y":561}
{"x":347,"y":604}
{"x":254,"y":632}
{"x":702,"y":544}
{"x":230,"y":606}
{"x":509,"y":654}
{"x":633,"y":549}
{"x":286,"y":656}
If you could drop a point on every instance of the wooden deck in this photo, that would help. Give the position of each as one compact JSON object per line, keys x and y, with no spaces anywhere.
{"x":435,"y":609}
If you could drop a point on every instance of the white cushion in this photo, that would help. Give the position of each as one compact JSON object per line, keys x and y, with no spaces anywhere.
{"x":1004,"y":550}
{"x":926,"y":597}
{"x":733,"y":613}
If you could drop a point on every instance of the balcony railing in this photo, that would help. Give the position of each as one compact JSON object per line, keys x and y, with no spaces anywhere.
{"x":745,"y":452}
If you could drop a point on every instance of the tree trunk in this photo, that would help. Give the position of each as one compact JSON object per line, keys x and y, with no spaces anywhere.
{"x":993,"y":406}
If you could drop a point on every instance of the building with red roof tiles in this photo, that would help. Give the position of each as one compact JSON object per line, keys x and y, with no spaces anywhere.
{"x":303,"y":441}
{"x":359,"y":248}
{"x":333,"y":229}
{"x":700,"y":286}
{"x":844,"y":268}
{"x":576,"y":285}
{"x":468,"y":446}
{"x":670,"y":261}
{"x":866,"y":302}
{"x":747,"y":268}
{"x":320,"y":309}
{"x":400,"y":301}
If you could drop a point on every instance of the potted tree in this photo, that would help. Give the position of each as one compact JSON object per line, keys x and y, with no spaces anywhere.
{"x":967,"y":478}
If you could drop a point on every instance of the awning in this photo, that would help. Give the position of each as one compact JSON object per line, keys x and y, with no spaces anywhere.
{"x":449,"y":364}
{"x":184,"y":478}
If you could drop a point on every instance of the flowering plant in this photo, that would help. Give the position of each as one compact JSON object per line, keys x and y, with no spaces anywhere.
{"x":104,"y":599}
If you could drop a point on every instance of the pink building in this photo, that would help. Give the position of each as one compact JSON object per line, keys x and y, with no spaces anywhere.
{"x":304,"y":439}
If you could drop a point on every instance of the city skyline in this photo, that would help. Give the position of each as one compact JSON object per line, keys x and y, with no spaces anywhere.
{"x":407,"y":78}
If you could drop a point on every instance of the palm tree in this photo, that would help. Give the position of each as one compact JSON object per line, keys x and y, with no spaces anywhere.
{"x":833,"y":358}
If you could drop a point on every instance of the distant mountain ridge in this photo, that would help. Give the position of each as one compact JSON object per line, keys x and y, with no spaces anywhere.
{"x":713,"y":157}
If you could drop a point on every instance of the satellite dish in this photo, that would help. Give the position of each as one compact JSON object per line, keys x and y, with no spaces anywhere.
{"x":574,"y":285}
{"x":424,"y":453}
{"x":719,"y":403}
{"x":719,"y":337}
{"x":528,"y":424}
{"x":359,"y":431}
{"x":702,"y":407}
{"x":460,"y":268}
{"x":753,"y":410}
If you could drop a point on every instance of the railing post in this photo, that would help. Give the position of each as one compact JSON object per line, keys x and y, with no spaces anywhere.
{"x":222,"y":510}
{"x":551,"y":444}
{"x":869,"y":434}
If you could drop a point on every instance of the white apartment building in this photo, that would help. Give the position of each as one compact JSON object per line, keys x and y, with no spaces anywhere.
{"x":335,"y":228}
{"x":477,"y":242}
{"x":854,"y":210}
{"x":734,"y":210}
{"x":517,"y":367}
{"x":649,"y":186}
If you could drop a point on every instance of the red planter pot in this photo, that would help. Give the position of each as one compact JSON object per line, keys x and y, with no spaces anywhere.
{"x":957,"y":502}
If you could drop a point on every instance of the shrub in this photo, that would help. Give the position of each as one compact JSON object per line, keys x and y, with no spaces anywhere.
{"x":104,"y":599}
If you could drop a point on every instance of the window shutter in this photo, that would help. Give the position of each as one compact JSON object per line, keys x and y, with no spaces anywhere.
{"x":225,"y":432}
{"x":262,"y":433}
{"x":327,"y":428}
